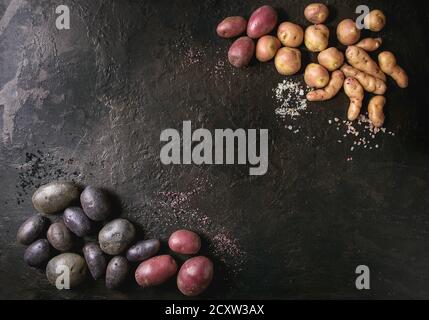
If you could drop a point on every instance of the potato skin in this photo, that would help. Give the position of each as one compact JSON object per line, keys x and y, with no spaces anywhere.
{"x":74,"y":262}
{"x":266,"y":48}
{"x":241,"y":52}
{"x":95,"y":203}
{"x":195,"y":276}
{"x":347,"y":32}
{"x":31,"y":229}
{"x":288,"y":61}
{"x":77,"y":222}
{"x":143,"y":250}
{"x":155,"y":271}
{"x":316,"y":37}
{"x":184,"y":242}
{"x":290,"y":34}
{"x":55,"y":197}
{"x":231,"y":27}
{"x":316,"y":13}
{"x":262,"y":21}
{"x":95,"y":259}
{"x":116,"y":236}
{"x":38,"y":253}
{"x":316,"y":76}
{"x":60,"y":237}
{"x":331,"y":58}
{"x":375,"y":20}
{"x":116,"y":272}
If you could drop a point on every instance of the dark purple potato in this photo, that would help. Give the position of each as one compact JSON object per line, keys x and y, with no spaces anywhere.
{"x":184,"y":242}
{"x":95,"y":203}
{"x":117,"y":272}
{"x":116,"y":236}
{"x":143,"y":250}
{"x":37,"y":253}
{"x":95,"y":260}
{"x":60,"y":237}
{"x":77,"y":222}
{"x":195,"y":276}
{"x":32,"y":229}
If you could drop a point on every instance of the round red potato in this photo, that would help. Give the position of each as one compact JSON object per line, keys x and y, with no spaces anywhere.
{"x":290,"y":34}
{"x":316,"y":76}
{"x":241,"y":52}
{"x":262,"y":21}
{"x":347,"y":32}
{"x":231,"y":27}
{"x":195,"y":276}
{"x":267,"y":47}
{"x":155,"y":271}
{"x":375,"y":20}
{"x":288,"y":61}
{"x":316,"y":37}
{"x":184,"y":242}
{"x":316,"y":13}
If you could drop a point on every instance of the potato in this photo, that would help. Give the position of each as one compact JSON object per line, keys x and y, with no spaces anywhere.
{"x":55,"y":197}
{"x":143,"y":250}
{"x":388,"y":65}
{"x":77,"y":222}
{"x":316,"y":76}
{"x":354,"y":91}
{"x":72,"y":262}
{"x":31,"y":229}
{"x":370,"y":44}
{"x":60,"y":237}
{"x":375,"y":111}
{"x":241,"y":52}
{"x":331,"y":58}
{"x":262,"y":21}
{"x":331,"y":90}
{"x":195,"y":276}
{"x":37,"y":253}
{"x":347,"y":32}
{"x":184,"y":242}
{"x":316,"y":37}
{"x":116,"y":236}
{"x":95,"y":259}
{"x":290,"y":34}
{"x":155,"y":271}
{"x":375,"y":20}
{"x":288,"y":61}
{"x":116,"y":272}
{"x":96,"y":203}
{"x":266,"y":48}
{"x":231,"y":27}
{"x":361,"y":60}
{"x":368,"y":82}
{"x":316,"y":13}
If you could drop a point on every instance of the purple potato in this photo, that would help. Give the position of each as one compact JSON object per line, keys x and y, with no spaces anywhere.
{"x":143,"y":250}
{"x":117,"y":272}
{"x":38,"y":253}
{"x":77,"y":222}
{"x":32,"y":229}
{"x":116,"y":236}
{"x":95,"y":203}
{"x":95,"y":260}
{"x":60,"y":237}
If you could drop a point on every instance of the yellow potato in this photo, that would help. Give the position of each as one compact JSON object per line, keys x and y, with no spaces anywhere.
{"x":387,"y":62}
{"x":359,"y":59}
{"x":316,"y":37}
{"x":354,"y":91}
{"x":330,"y":91}
{"x":370,"y":44}
{"x":368,"y":82}
{"x":331,"y":58}
{"x":375,"y":111}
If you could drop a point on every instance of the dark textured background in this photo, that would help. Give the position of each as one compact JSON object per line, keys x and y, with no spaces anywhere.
{"x":89,"y":104}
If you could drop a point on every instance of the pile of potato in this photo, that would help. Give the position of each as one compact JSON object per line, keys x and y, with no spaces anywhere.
{"x":60,"y":245}
{"x":361,"y":73}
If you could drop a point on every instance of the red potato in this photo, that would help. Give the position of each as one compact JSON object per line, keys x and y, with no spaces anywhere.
{"x":331,"y":58}
{"x":316,"y":37}
{"x":316,"y":13}
{"x":262,"y":21}
{"x":316,"y":76}
{"x":290,"y":34}
{"x":241,"y":52}
{"x":155,"y":271}
{"x":288,"y":61}
{"x":184,"y":242}
{"x":231,"y":27}
{"x":347,"y":32}
{"x":267,"y":47}
{"x":375,"y":20}
{"x":195,"y":276}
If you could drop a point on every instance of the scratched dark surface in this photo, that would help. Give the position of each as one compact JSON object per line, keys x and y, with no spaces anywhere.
{"x":88,"y":104}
